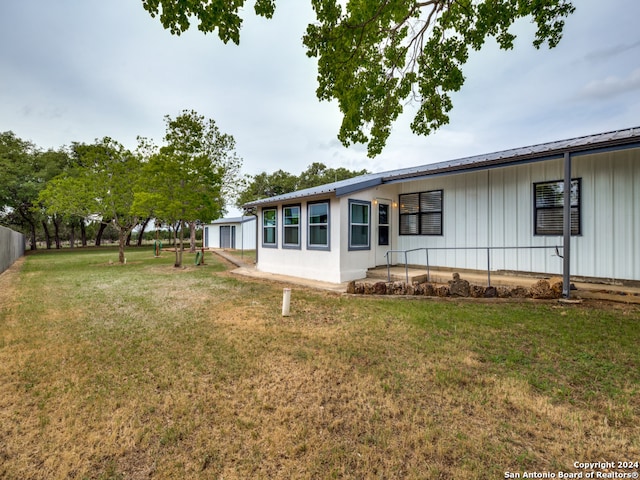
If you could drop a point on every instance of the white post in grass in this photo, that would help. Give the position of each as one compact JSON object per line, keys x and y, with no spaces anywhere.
{"x":286,"y":301}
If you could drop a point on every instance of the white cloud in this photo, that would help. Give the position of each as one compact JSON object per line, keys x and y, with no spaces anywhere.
{"x":612,"y":86}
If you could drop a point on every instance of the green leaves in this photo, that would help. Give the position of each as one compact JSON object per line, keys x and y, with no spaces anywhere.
{"x":376,"y":56}
{"x":100,"y":184}
{"x":220,"y":15}
{"x":189,"y":177}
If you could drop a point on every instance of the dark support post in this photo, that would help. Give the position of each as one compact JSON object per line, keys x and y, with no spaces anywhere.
{"x":566,"y":228}
{"x":488,"y":267}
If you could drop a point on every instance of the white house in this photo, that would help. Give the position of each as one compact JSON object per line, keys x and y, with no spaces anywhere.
{"x":469,"y":213}
{"x":238,"y":233}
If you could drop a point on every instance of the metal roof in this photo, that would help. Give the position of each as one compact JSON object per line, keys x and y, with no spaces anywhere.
{"x":608,"y":141}
{"x":246,"y":218}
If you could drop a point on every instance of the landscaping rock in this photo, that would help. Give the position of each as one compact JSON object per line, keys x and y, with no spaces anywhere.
{"x":398,"y":288}
{"x":428,"y":290}
{"x":443,"y":291}
{"x":380,"y":288}
{"x":520,"y":292}
{"x":476,"y":291}
{"x":503,"y":292}
{"x":458,"y":287}
{"x":490,"y":292}
{"x":556,"y":286}
{"x":542,"y":290}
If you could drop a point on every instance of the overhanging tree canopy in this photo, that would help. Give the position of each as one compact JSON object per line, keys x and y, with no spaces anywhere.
{"x":374,"y":56}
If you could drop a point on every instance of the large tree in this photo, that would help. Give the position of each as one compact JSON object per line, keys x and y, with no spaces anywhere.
{"x":24,"y":171}
{"x":374,"y":56}
{"x":188,"y":179}
{"x":265,"y":185}
{"x":100,"y":186}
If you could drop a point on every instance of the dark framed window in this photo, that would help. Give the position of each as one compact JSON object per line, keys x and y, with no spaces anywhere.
{"x":383,"y":223}
{"x":269,"y":227}
{"x":548,"y":201}
{"x":291,"y":226}
{"x":318,"y":226}
{"x":421,"y":213}
{"x":359,"y":225}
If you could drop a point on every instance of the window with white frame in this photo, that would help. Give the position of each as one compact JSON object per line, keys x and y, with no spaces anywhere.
{"x":269,"y":227}
{"x":359,"y":225}
{"x":421,"y":213}
{"x":291,"y":226}
{"x":549,"y":207}
{"x":318,"y":224}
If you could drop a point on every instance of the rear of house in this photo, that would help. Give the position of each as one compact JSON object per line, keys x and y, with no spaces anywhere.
{"x":503,"y":210}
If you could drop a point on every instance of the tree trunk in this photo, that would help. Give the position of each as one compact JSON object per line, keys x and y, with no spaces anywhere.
{"x":32,"y":226}
{"x":47,"y":237}
{"x":72,"y":235}
{"x":178,"y":262}
{"x":103,"y":225}
{"x":83,"y":233}
{"x":128,"y":243}
{"x":181,"y":240}
{"x":122,"y":241}
{"x":192,"y":237}
{"x":142,"y":229}
{"x":56,"y":232}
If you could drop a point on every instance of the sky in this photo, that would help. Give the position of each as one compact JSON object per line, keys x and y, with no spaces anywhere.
{"x":78,"y":70}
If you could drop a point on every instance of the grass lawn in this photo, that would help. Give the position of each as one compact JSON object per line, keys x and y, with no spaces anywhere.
{"x":144,"y":371}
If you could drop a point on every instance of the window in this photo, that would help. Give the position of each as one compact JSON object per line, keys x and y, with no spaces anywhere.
{"x":291,"y":226}
{"x":383,"y":224}
{"x":359,"y":225}
{"x":549,"y":206}
{"x":269,"y":227}
{"x":421,"y":213}
{"x":318,"y":235}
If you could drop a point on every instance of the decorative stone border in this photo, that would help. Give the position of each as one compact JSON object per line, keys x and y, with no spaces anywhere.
{"x":542,"y":289}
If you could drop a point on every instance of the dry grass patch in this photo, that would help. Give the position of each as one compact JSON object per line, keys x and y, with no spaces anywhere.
{"x":143,"y":371}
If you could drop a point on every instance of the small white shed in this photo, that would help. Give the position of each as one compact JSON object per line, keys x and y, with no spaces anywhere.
{"x":237,"y":233}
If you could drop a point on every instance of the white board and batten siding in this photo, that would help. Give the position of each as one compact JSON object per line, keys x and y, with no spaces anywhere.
{"x":495,"y":208}
{"x":609,"y":247}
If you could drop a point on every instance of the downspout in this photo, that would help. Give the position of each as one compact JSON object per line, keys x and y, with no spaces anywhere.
{"x":566,"y":228}
{"x":489,"y":240}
